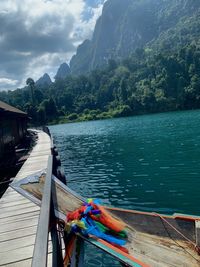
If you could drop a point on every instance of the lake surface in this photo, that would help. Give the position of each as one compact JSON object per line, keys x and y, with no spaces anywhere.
{"x":149,"y":163}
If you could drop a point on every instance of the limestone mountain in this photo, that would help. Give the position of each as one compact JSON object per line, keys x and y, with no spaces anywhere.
{"x":63,"y":71}
{"x":44,"y":80}
{"x":127,"y":25}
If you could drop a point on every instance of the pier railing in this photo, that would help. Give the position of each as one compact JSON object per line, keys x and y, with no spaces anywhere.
{"x":47,"y":221}
{"x":41,"y":243}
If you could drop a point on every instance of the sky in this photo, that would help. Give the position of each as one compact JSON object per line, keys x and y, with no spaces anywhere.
{"x":36,"y":36}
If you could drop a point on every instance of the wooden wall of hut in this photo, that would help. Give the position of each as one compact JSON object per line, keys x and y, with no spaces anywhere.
{"x":12,"y":131}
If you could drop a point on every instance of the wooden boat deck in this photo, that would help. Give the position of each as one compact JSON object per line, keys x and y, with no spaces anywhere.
{"x":153,"y":240}
{"x":162,"y":252}
{"x":19,"y":216}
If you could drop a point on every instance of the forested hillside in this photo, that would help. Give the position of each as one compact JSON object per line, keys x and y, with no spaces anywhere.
{"x":130,"y":24}
{"x":161,"y":74}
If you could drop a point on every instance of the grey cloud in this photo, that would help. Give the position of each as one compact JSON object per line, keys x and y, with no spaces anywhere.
{"x":16,"y":36}
{"x":25,"y":41}
{"x":12,"y":62}
{"x":20,"y":44}
{"x":9,"y":87}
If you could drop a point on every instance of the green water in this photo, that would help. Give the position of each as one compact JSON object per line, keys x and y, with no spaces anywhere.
{"x":148,"y":163}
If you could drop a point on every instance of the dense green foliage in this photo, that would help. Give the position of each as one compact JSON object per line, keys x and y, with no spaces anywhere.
{"x":145,"y":82}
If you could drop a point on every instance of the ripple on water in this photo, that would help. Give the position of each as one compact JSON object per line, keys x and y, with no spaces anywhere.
{"x":149,"y":163}
{"x":140,"y":175}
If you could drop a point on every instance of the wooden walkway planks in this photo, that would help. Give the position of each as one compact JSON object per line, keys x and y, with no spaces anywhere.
{"x":19,"y":254}
{"x":17,"y":233}
{"x":27,"y":263}
{"x":18,"y":215}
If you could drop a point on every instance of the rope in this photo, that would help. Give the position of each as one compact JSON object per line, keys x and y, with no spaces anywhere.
{"x":6,"y":182}
{"x":185,"y":237}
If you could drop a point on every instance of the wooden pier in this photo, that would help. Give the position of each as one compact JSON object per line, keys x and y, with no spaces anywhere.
{"x":19,"y":216}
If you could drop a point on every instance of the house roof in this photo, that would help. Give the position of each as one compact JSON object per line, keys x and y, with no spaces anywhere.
{"x":10,"y":109}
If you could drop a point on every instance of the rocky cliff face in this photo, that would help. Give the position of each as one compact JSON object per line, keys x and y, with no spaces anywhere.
{"x":63,"y":71}
{"x":127,"y":25}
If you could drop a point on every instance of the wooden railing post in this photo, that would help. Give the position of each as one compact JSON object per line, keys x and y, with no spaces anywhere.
{"x":41,"y":244}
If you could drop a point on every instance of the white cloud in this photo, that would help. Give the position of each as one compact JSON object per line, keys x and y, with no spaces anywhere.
{"x":6,"y":82}
{"x":36,"y":36}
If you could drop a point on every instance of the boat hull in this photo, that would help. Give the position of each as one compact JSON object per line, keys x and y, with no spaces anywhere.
{"x":153,"y":239}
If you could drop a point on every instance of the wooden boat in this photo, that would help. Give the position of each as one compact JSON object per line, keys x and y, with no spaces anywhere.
{"x":153,"y":239}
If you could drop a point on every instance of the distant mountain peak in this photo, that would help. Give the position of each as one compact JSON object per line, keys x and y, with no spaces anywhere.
{"x":63,"y":71}
{"x":44,"y":80}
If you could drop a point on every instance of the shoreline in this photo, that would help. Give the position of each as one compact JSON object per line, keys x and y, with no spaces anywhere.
{"x":83,"y":118}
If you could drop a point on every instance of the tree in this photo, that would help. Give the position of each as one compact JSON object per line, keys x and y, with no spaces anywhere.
{"x":41,"y":116}
{"x":50,"y":109}
{"x":30,"y":82}
{"x":123,"y":92}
